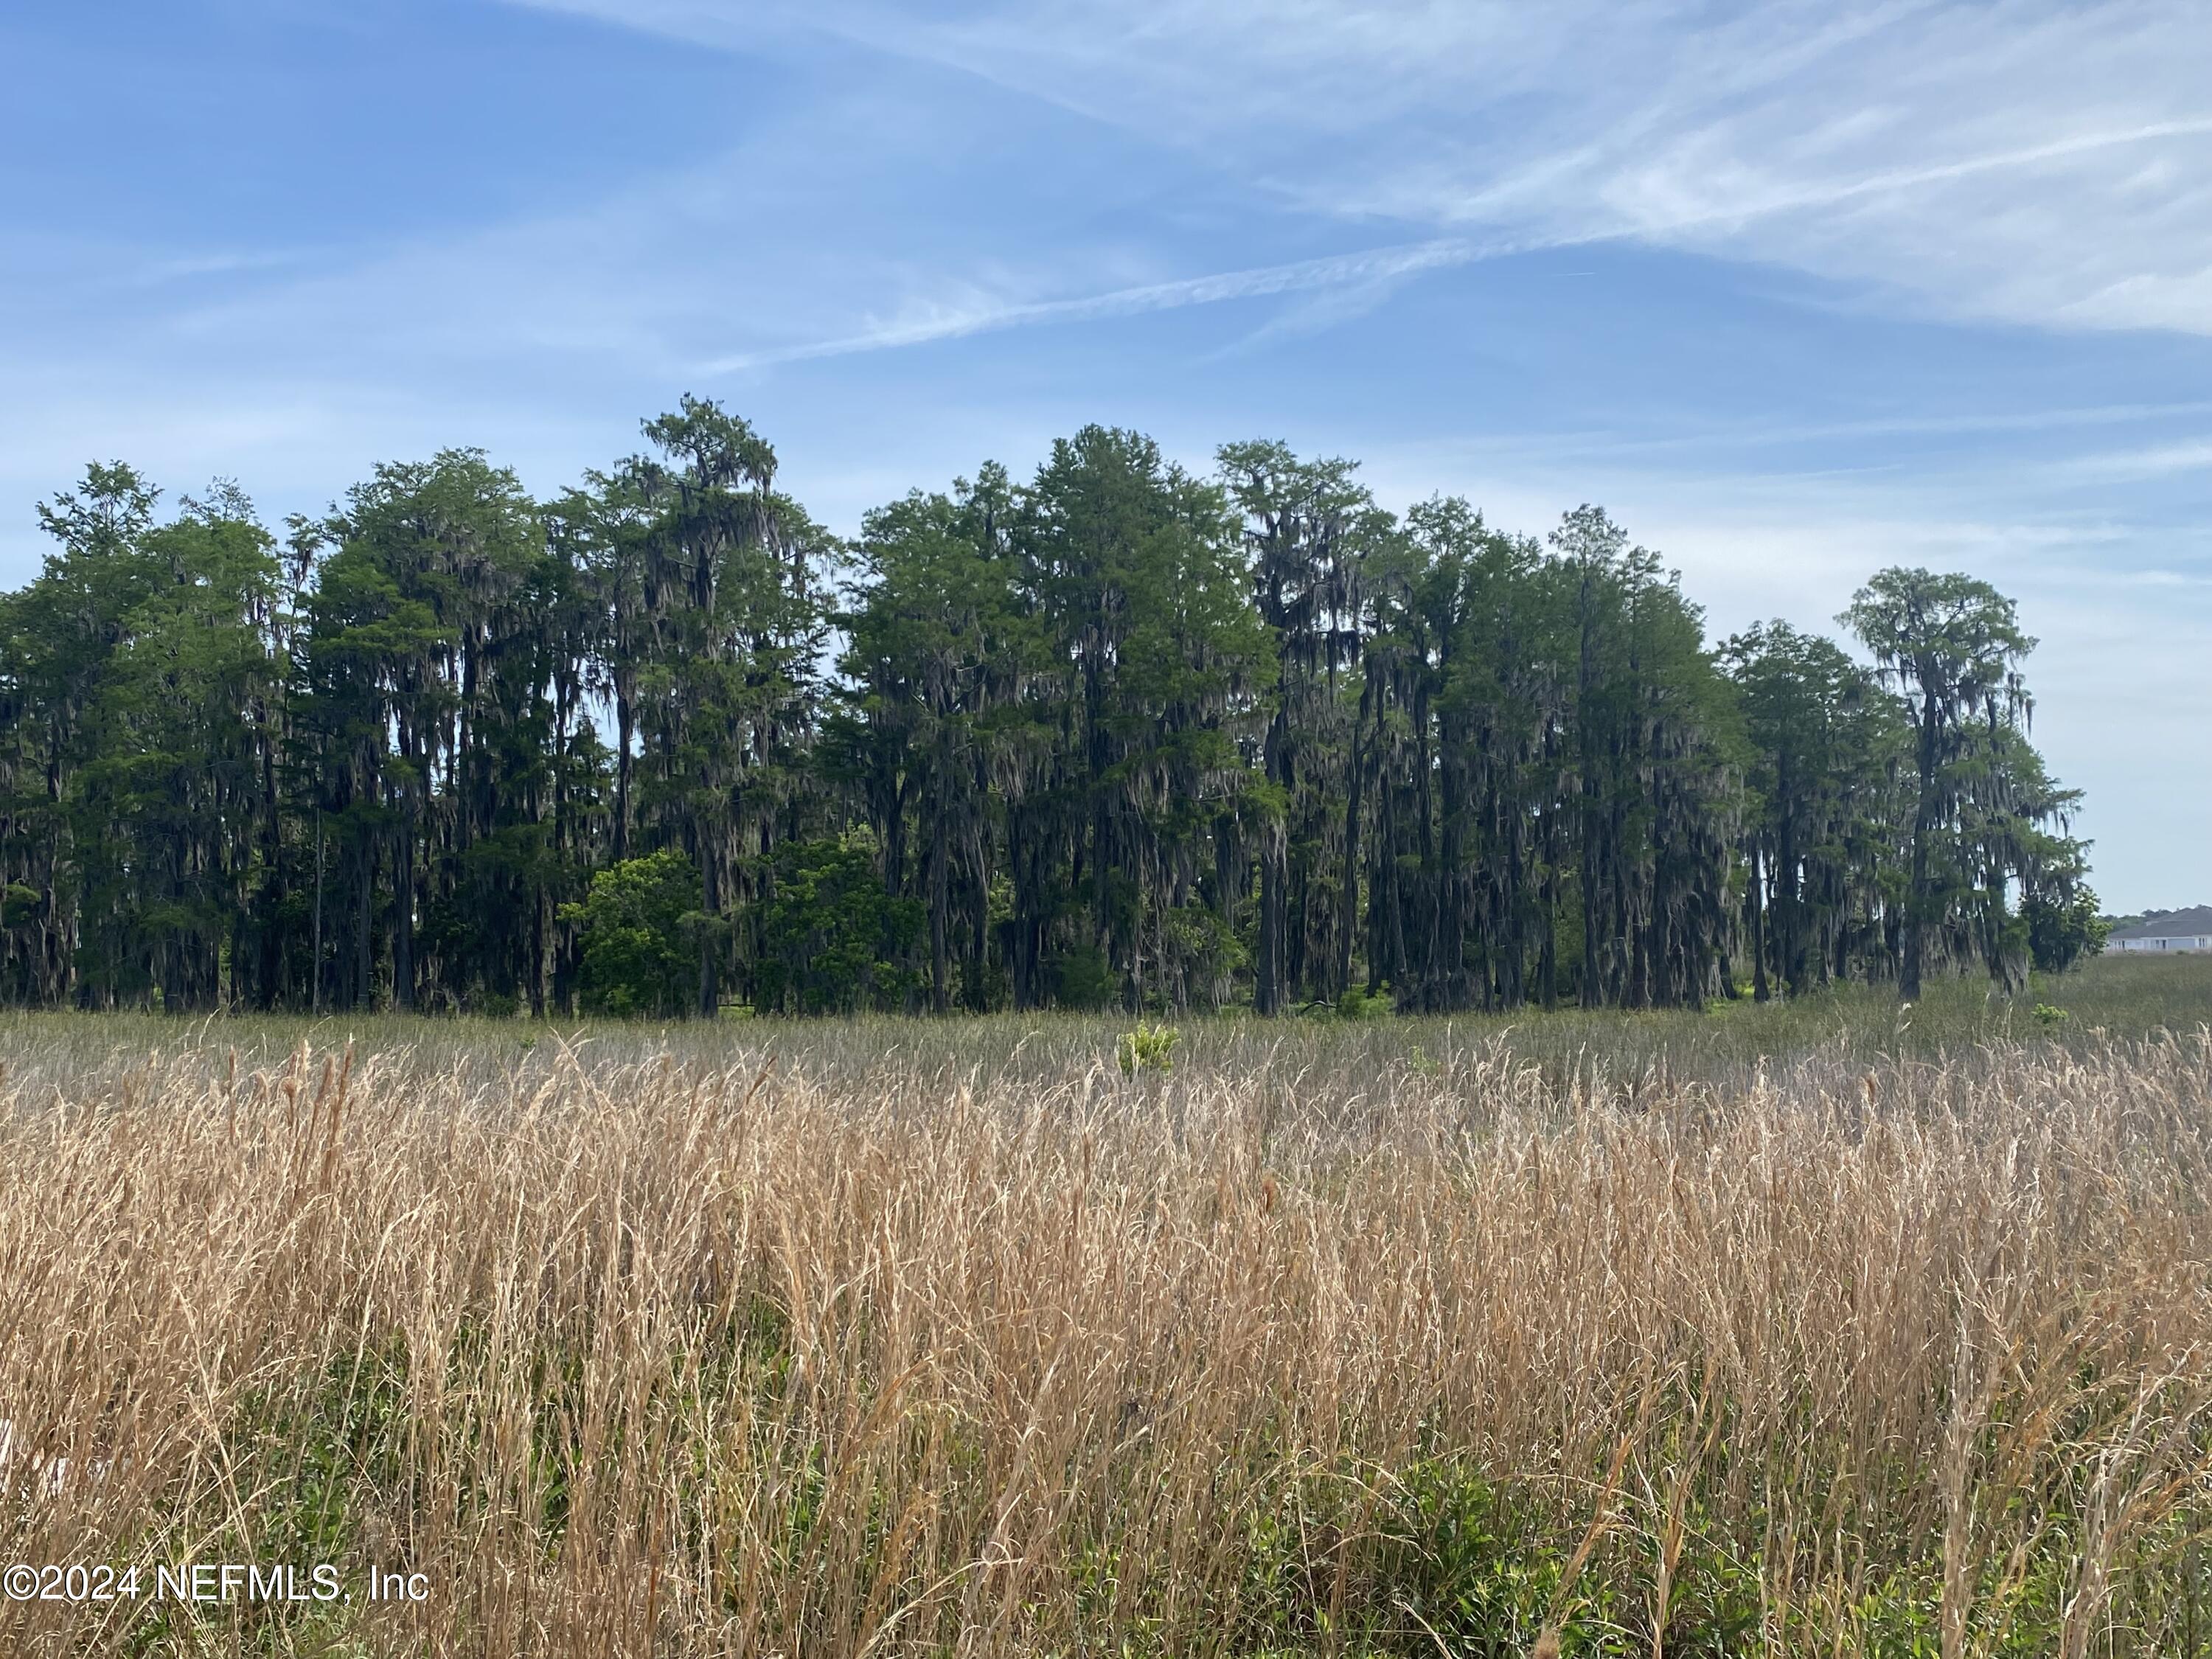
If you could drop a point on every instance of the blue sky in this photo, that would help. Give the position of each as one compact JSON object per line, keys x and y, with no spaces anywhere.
{"x":1796,"y":290}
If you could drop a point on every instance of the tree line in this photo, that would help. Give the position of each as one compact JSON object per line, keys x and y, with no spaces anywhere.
{"x":1119,"y":735}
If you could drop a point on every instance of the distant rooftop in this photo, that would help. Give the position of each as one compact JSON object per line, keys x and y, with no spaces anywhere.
{"x":2175,"y":924}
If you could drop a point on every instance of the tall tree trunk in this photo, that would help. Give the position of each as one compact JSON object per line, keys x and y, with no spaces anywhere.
{"x":1760,"y":990}
{"x":1267,"y":979}
{"x":1349,"y":905}
{"x":1789,"y":909}
{"x":402,"y":929}
{"x":940,"y":895}
{"x":1924,"y":829}
{"x":710,"y":990}
{"x":315,"y":994}
{"x":364,"y":985}
{"x":624,"y":724}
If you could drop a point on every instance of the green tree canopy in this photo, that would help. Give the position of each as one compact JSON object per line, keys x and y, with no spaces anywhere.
{"x":635,"y":930}
{"x":1116,"y":733}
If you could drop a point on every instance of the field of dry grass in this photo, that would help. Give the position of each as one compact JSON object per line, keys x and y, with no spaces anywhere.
{"x":1823,"y":1330}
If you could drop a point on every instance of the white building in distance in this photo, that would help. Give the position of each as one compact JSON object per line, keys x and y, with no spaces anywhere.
{"x":2178,"y":930}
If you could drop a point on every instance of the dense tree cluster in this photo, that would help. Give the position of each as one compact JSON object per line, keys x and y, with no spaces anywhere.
{"x":1119,"y":735}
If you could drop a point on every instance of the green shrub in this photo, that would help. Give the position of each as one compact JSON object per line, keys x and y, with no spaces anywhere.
{"x":18,"y":904}
{"x":2061,"y":934}
{"x":640,"y":922}
{"x":1149,"y":1046}
{"x":1359,"y":1003}
{"x":832,"y":940}
{"x":1083,"y":978}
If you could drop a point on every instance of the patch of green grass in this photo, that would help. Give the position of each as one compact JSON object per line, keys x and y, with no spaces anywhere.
{"x":2107,"y":1000}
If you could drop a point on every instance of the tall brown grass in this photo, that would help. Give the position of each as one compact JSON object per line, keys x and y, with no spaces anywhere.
{"x":856,"y":1351}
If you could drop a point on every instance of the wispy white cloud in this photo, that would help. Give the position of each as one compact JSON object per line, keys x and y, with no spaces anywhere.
{"x":2026,"y":160}
{"x":234,"y":261}
{"x":2153,"y":461}
{"x":980,"y":313}
{"x":1683,"y":440}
